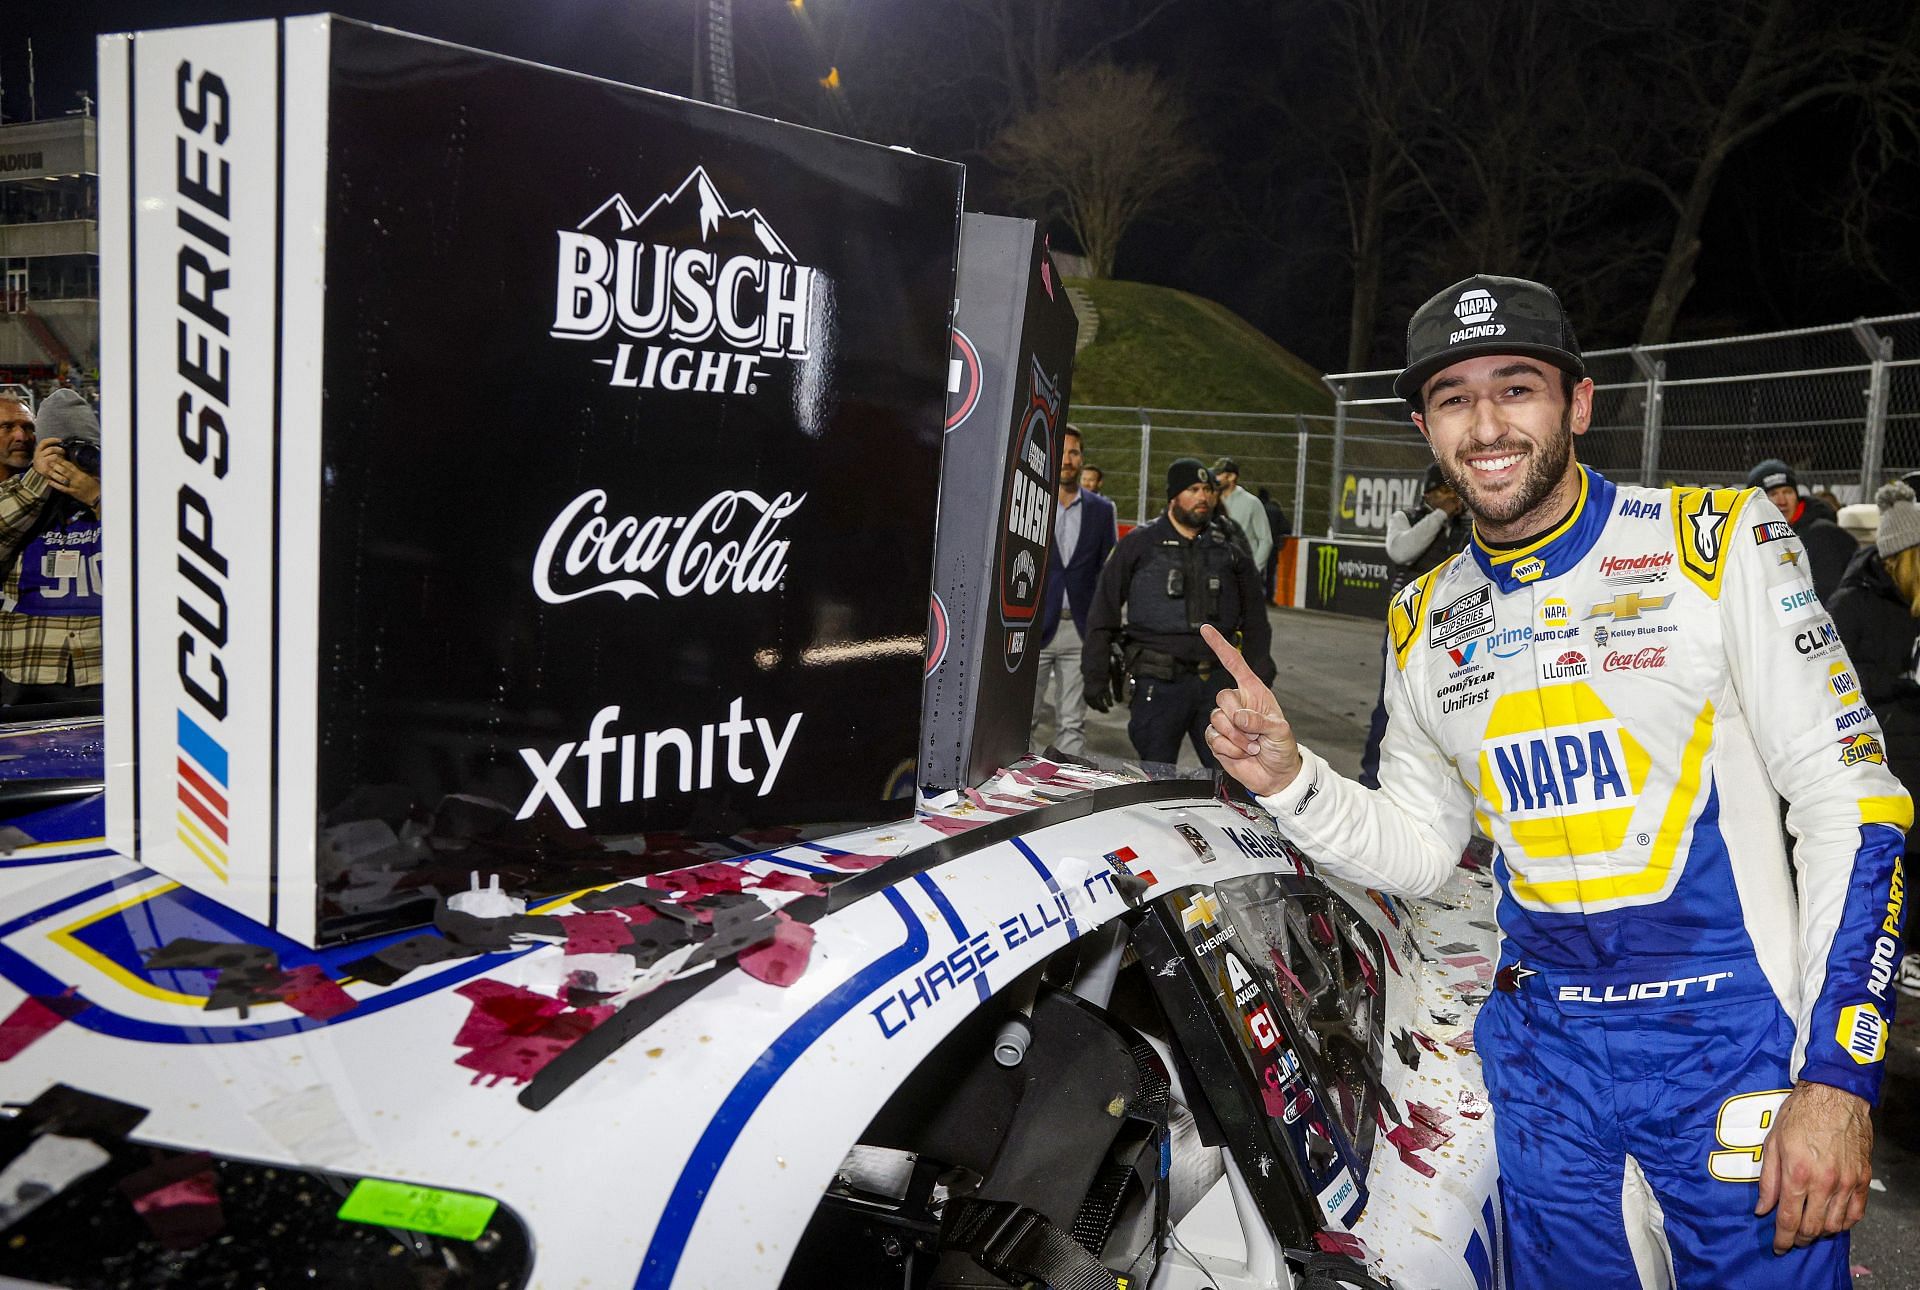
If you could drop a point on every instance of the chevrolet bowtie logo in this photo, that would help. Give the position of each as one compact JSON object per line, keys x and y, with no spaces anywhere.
{"x":1790,"y":556}
{"x":1628,"y":604}
{"x":1200,"y":911}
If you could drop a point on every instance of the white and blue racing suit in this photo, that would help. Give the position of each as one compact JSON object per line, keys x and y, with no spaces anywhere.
{"x":1620,"y":705}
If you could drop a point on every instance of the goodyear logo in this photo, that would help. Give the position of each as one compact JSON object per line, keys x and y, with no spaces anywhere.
{"x":202,"y":815}
{"x":1529,"y":570}
{"x":1842,"y":682}
{"x":1562,"y":772}
{"x":1861,"y":748}
{"x":1326,"y":570}
{"x":1863,"y":1033}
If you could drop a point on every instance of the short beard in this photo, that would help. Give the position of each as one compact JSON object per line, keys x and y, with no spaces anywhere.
{"x":1544,"y":472}
{"x":1191,"y":519}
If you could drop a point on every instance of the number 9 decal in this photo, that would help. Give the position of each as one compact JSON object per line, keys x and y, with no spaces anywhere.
{"x":1742,"y":1130}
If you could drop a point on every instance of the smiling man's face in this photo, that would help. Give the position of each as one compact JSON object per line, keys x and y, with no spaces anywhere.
{"x":1502,"y":429}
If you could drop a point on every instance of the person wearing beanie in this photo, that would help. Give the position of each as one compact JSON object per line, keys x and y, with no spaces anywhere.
{"x":1829,"y":547}
{"x":1685,"y":1034}
{"x":50,"y":543}
{"x":1164,"y":582}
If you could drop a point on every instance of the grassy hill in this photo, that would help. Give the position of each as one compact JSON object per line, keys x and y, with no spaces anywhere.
{"x":1162,"y":348}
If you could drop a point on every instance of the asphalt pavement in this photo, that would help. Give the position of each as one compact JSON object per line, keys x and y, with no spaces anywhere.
{"x":1328,"y":677}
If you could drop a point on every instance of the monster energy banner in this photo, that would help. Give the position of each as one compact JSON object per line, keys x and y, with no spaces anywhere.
{"x":1367,"y":499}
{"x":1346,"y":578}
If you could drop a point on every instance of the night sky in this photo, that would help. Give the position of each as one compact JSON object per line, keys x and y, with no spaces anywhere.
{"x":1264,"y":232}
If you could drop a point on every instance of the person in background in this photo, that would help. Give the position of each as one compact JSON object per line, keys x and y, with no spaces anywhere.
{"x":1418,"y":538}
{"x":1083,"y":536}
{"x":1877,"y":613}
{"x":1165,"y":581}
{"x":1091,"y":478}
{"x":1827,"y":498}
{"x":1280,"y":527}
{"x":1861,"y":520}
{"x":16,"y":430}
{"x":1244,"y":509}
{"x":50,"y":533}
{"x":1828,"y":547}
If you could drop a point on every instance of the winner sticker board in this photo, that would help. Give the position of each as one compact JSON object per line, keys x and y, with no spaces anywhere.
{"x":506,"y":444}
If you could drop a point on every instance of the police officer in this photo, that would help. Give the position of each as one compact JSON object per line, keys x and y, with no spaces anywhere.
{"x":1164,"y":581}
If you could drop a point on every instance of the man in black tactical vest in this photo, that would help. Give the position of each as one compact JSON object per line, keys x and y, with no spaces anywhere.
{"x":1164,"y":581}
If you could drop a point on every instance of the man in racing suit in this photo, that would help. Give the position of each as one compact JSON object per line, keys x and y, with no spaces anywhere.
{"x":1615,"y":682}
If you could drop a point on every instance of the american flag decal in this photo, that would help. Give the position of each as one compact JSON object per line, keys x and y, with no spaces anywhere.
{"x":202,"y":816}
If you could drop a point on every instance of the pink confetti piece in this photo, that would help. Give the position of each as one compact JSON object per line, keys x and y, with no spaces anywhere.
{"x":781,"y":960}
{"x":604,"y":932}
{"x":979,"y":800}
{"x":1426,"y":1041}
{"x":1343,"y":1243}
{"x":1462,"y":1042}
{"x":701,"y":880}
{"x":784,"y":881}
{"x":1286,"y":973}
{"x":948,"y":825}
{"x":32,"y":1019}
{"x":1399,"y":1137}
{"x":857,"y":863}
{"x":310,"y":991}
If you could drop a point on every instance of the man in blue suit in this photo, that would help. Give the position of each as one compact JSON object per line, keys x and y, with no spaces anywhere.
{"x":1084,"y":533}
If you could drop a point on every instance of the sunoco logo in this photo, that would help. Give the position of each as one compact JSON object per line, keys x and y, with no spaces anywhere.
{"x":712,"y":292}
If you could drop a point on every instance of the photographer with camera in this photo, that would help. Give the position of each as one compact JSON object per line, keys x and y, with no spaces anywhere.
{"x":50,"y":537}
{"x":1166,"y":579}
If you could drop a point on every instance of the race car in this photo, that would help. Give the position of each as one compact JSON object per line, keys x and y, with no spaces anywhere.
{"x":1078,"y":1026}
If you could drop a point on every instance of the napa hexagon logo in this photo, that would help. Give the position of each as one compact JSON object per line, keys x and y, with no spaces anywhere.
{"x":1863,"y":1033}
{"x":1558,"y":768}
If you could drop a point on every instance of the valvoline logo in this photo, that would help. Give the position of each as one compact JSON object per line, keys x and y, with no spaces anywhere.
{"x":1464,"y":655}
{"x":201,"y":819}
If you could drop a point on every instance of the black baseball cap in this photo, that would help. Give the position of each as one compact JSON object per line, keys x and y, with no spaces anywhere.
{"x":1485,"y":314}
{"x":1226,"y":466}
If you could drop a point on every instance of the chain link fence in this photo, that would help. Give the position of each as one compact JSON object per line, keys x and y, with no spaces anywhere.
{"x":1840,"y":404}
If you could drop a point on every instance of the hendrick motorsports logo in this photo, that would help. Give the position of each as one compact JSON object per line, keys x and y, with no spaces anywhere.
{"x":712,"y":295}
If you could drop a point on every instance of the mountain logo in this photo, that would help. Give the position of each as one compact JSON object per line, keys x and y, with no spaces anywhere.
{"x":709,"y":295}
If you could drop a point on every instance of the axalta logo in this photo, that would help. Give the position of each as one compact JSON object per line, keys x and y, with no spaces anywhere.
{"x":1863,"y":1033}
{"x":1475,"y":310}
{"x":201,"y":819}
{"x":1649,"y":656}
{"x":728,"y":545}
{"x":1509,"y":643}
{"x":1635,"y":563}
{"x":1817,"y":639}
{"x":1529,"y":570}
{"x":1856,"y":749}
{"x":715,"y":286}
{"x":1842,"y":682}
{"x":1570,"y":664}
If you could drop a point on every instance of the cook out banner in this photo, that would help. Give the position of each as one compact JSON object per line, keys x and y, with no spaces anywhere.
{"x":504,"y":433}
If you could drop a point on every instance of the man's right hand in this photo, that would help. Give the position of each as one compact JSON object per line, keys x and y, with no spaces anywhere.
{"x":1098,"y":696}
{"x":1248,"y":732}
{"x":49,"y":456}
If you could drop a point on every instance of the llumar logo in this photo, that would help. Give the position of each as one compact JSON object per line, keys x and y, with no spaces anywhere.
{"x":1326,"y":571}
{"x":714,"y":287}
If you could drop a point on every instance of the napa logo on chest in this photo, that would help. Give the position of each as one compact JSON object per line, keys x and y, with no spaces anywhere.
{"x":1560,"y":771}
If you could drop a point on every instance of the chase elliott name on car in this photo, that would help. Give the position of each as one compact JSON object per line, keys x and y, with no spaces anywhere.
{"x":637,"y":765}
{"x":911,"y":1001}
{"x":1642,"y":989}
{"x":700,"y":554}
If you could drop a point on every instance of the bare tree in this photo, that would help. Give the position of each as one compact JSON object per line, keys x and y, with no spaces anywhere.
{"x":1104,"y":145}
{"x":1749,"y":66}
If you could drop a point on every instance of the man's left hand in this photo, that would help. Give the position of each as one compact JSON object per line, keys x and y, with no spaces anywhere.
{"x":1816,"y":1165}
{"x":65,"y":477}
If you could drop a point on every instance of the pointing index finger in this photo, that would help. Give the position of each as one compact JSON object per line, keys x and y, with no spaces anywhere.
{"x":1230,"y":658}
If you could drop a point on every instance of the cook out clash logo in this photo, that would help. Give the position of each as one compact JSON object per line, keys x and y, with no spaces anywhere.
{"x":708,"y":295}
